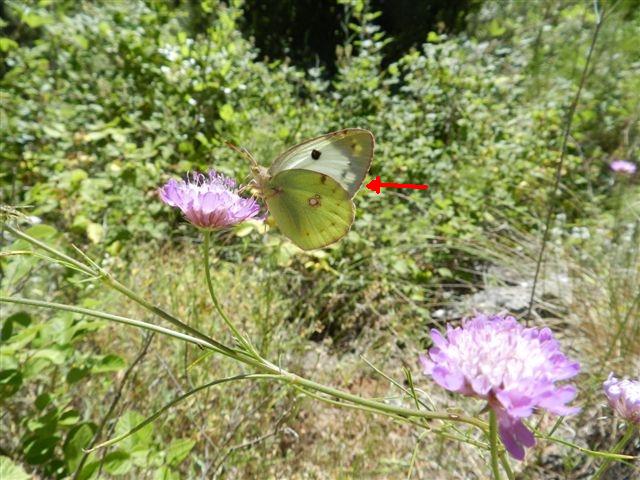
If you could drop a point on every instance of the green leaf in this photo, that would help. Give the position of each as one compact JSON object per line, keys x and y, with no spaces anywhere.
{"x":7,"y":44}
{"x":178,"y":450}
{"x":33,"y":20}
{"x":21,"y":318}
{"x":76,"y":374}
{"x":117,"y":462}
{"x":138,"y":440}
{"x":226,"y":112}
{"x":54,"y":356}
{"x":10,"y":382}
{"x":109,"y":363}
{"x":202,"y":139}
{"x":69,"y":417}
{"x":42,"y":232}
{"x":42,"y":400}
{"x":165,"y":473}
{"x":89,"y":469}
{"x":77,"y":439}
{"x":35,"y":367}
{"x":142,"y":458}
{"x":433,"y":37}
{"x":12,"y":471}
{"x":20,"y":340}
{"x":40,"y":450}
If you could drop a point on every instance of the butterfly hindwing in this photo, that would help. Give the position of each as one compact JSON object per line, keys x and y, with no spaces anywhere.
{"x":345,"y":156}
{"x":310,"y":208}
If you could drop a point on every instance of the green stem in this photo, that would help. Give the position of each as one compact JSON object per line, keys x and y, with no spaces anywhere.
{"x":104,"y":276}
{"x":209,"y":344}
{"x":506,"y":467}
{"x":263,"y":366}
{"x":586,"y":451}
{"x":383,"y":407}
{"x":173,"y":402}
{"x":214,"y":298}
{"x":493,"y":443}
{"x":61,"y":256}
{"x":159,"y":311}
{"x":628,"y":435}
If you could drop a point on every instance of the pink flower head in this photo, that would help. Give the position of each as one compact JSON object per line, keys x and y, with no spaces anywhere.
{"x":209,"y":202}
{"x":514,"y":368}
{"x":623,"y":166}
{"x":624,"y":397}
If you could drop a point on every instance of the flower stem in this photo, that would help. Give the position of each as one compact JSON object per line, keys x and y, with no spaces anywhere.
{"x":493,"y":443}
{"x":95,"y":271}
{"x":207,"y":270}
{"x":160,"y":312}
{"x":628,"y":435}
{"x":210,"y":344}
{"x":263,"y":365}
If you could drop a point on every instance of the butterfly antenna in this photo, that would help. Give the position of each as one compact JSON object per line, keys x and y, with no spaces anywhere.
{"x":244,"y":152}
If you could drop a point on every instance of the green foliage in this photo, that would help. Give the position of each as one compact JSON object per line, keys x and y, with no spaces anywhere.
{"x":103,"y":101}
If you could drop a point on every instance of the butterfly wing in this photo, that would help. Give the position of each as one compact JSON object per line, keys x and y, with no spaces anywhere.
{"x":344,"y":155}
{"x":310,"y":208}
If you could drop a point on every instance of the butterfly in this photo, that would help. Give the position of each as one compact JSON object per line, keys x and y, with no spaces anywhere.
{"x":309,"y":188}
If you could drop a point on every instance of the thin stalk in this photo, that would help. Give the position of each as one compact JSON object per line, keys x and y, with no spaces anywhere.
{"x":173,"y":402}
{"x":628,"y":435}
{"x":214,"y":298}
{"x":362,"y":408}
{"x":383,"y":407}
{"x":159,"y":311}
{"x":210,"y":344}
{"x":66,"y":258}
{"x":104,"y":276}
{"x":563,"y":153}
{"x":586,"y":451}
{"x":493,"y":443}
{"x":414,"y":454}
{"x":114,"y":402}
{"x":506,"y":467}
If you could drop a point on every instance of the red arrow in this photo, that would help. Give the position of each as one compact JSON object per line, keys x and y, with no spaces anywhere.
{"x":375,"y":185}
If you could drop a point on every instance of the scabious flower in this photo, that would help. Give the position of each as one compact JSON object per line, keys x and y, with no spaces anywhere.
{"x":514,"y":368}
{"x":623,"y":166}
{"x":209,"y":201}
{"x":624,"y":397}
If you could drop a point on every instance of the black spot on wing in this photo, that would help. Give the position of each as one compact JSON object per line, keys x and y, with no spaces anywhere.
{"x":315,"y":154}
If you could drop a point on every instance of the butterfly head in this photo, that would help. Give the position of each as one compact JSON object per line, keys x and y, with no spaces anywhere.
{"x":261,"y":176}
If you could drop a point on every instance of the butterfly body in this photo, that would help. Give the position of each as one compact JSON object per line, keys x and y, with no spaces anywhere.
{"x":309,"y":188}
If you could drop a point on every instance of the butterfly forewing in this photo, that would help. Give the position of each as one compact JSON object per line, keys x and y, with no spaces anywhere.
{"x":310,"y":208}
{"x":345,"y":156}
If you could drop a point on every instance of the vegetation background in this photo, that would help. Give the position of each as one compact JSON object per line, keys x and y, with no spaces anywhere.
{"x":103,"y":101}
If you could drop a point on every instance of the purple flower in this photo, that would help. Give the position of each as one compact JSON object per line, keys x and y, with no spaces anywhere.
{"x":624,"y":397}
{"x":623,"y":166}
{"x":209,"y":202}
{"x":514,"y":368}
